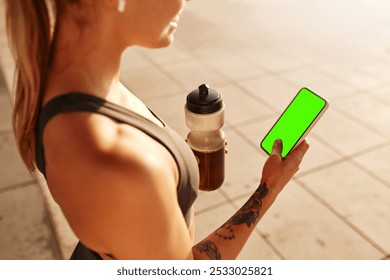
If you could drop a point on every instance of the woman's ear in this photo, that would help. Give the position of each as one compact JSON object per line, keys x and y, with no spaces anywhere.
{"x":121,"y":7}
{"x":111,"y":4}
{"x":118,"y":5}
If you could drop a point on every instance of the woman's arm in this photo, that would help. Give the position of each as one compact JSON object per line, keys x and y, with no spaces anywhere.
{"x":227,"y":241}
{"x":117,"y":188}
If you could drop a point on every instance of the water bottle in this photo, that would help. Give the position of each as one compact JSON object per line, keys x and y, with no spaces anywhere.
{"x":204,"y":116}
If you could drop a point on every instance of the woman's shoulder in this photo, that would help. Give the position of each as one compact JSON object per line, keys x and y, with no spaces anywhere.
{"x":85,"y":143}
{"x":111,"y":178}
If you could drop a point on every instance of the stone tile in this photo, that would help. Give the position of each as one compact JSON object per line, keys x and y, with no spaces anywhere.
{"x":274,"y":92}
{"x":316,"y":81}
{"x":379,"y":70}
{"x":132,"y":60}
{"x":317,"y":156}
{"x":240,"y":106}
{"x":376,"y":162}
{"x":356,"y":197}
{"x":171,"y":110}
{"x":255,"y":131}
{"x":24,"y":226}
{"x":207,"y":200}
{"x":6,"y":57}
{"x":3,"y":34}
{"x":13,"y":171}
{"x":207,"y":222}
{"x":219,"y":27}
{"x":149,"y":83}
{"x":165,"y":56}
{"x":9,"y":78}
{"x":232,"y":66}
{"x":6,"y":114}
{"x":192,"y":73}
{"x":209,"y":41}
{"x":243,"y":165}
{"x":367,"y":110}
{"x":382,"y":94}
{"x":272,"y":61}
{"x":301,"y":228}
{"x":7,"y":65}
{"x":257,"y":249}
{"x":66,"y":239}
{"x":3,"y":85}
{"x":3,"y":37}
{"x":350,"y":76}
{"x":344,"y":135}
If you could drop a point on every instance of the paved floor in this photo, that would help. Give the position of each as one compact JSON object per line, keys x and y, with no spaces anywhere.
{"x":258,"y":54}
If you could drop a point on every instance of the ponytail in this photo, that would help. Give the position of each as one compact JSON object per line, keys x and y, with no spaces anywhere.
{"x":29,"y":34}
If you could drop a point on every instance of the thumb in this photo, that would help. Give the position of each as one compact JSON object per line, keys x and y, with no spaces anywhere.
{"x":277,"y":148}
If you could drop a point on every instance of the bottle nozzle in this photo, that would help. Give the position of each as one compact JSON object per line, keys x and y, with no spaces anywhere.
{"x":203,"y":90}
{"x":204,"y":100}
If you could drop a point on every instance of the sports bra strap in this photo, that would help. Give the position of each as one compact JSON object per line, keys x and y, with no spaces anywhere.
{"x":82,"y":102}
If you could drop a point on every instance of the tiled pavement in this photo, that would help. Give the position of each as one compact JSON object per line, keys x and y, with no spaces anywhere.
{"x":257,"y":53}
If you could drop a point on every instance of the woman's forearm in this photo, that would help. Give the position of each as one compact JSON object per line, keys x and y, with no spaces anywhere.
{"x":227,"y":241}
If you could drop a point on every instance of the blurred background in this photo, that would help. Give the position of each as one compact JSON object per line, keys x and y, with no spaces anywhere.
{"x":257,"y":54}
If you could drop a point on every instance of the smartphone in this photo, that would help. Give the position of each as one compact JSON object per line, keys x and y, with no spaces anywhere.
{"x":297,"y":120}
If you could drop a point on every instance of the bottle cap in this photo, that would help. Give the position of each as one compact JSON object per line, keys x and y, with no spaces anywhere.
{"x":204,"y":100}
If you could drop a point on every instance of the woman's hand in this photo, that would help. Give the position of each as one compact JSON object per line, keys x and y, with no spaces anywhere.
{"x":278,"y":171}
{"x":228,"y":240}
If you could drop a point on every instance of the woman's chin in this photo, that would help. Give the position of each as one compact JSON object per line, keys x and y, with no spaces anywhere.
{"x":163,"y":42}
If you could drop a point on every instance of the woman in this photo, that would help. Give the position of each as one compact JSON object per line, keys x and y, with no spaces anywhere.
{"x":124,"y":180}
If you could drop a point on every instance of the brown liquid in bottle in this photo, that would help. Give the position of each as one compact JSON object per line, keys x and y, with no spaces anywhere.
{"x":211,"y":169}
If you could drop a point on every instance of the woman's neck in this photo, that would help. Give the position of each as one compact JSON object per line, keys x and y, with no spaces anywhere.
{"x":85,"y":58}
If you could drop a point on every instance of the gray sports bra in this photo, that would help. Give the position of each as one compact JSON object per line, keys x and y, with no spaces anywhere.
{"x":187,"y":188}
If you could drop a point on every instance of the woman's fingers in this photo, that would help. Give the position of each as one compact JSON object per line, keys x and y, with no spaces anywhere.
{"x":277,"y":148}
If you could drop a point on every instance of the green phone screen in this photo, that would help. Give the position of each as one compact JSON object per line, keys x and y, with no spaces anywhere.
{"x":294,"y":121}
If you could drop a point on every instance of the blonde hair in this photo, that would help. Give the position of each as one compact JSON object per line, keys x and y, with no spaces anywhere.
{"x":29,"y":34}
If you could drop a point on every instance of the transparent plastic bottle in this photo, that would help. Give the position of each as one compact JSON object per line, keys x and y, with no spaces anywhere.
{"x":204,"y":115}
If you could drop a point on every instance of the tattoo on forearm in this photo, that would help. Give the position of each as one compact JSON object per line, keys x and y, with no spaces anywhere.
{"x":248,"y":214}
{"x":210,"y":249}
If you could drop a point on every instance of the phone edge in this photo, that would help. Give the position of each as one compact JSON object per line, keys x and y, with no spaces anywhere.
{"x":318,"y":117}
